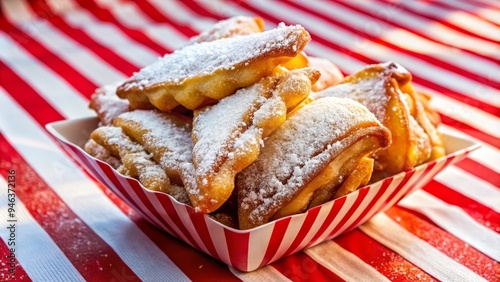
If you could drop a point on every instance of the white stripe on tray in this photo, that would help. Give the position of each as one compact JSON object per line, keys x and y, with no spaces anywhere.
{"x":85,"y":198}
{"x":131,"y":16}
{"x":438,"y":31}
{"x":456,"y":221}
{"x":471,"y":186}
{"x":48,"y":263}
{"x":379,"y":52}
{"x":56,"y":91}
{"x":78,"y":57}
{"x":422,"y":254}
{"x":344,"y":263}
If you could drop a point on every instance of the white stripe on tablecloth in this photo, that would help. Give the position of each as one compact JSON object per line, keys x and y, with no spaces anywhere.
{"x":56,"y":91}
{"x":405,"y":39}
{"x":458,"y":18}
{"x":379,"y":52}
{"x":344,"y":263}
{"x":422,"y":254}
{"x":111,"y":37}
{"x":489,"y":14}
{"x":175,"y":10}
{"x":434,"y":30}
{"x":132,"y":17}
{"x":487,"y":155}
{"x":85,"y":199}
{"x":455,"y":221}
{"x":48,"y":262}
{"x":471,"y":186}
{"x":267,"y":273}
{"x":77,"y":56}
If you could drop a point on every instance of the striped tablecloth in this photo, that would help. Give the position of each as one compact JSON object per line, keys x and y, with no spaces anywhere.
{"x":54,"y":53}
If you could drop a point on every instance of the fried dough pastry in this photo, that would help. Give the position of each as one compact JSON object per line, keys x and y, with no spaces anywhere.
{"x":227,"y":136}
{"x":107,"y":104}
{"x":296,"y":154}
{"x":330,"y":73}
{"x":385,"y":89}
{"x":212,"y":70}
{"x":99,"y":152}
{"x":136,"y":161}
{"x":239,"y":25}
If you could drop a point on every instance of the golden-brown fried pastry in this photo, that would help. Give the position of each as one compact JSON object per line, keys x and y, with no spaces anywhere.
{"x":293,"y":158}
{"x":99,"y":152}
{"x":330,"y":73}
{"x":136,"y":161}
{"x":212,"y":70}
{"x":381,"y":88}
{"x":239,"y":25}
{"x":227,"y":136}
{"x":107,"y":104}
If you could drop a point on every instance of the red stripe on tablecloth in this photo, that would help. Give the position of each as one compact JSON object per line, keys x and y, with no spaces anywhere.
{"x":139,"y":36}
{"x":416,"y":31}
{"x":300,"y":267}
{"x":446,"y":23}
{"x":482,"y":214}
{"x":455,"y":6}
{"x":5,"y":275}
{"x":422,"y":56}
{"x":383,"y":259}
{"x":237,"y":245}
{"x":42,"y":54}
{"x":443,"y":90}
{"x":276,"y":239}
{"x":479,"y":170}
{"x":481,"y":135}
{"x":25,"y":96}
{"x":312,"y":214}
{"x":81,"y":38}
{"x":79,"y":243}
{"x":446,"y":243}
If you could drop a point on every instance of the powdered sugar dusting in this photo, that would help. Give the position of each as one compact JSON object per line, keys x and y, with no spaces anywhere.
{"x":368,"y":87}
{"x":302,"y":146}
{"x":107,"y":104}
{"x":224,"y":54}
{"x":239,"y":25}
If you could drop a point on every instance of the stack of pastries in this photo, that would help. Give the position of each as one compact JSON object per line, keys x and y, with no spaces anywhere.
{"x":242,"y":125}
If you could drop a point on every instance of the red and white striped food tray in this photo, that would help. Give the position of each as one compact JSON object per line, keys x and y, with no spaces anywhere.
{"x":251,"y":249}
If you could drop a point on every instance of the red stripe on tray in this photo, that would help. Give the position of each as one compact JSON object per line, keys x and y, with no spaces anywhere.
{"x":446,"y":243}
{"x":383,"y":259}
{"x":300,"y":267}
{"x":482,"y":214}
{"x":11,"y":269}
{"x":79,"y":243}
{"x":479,"y":170}
{"x":237,"y":245}
{"x":319,"y":39}
{"x":422,"y":56}
{"x":337,"y":205}
{"x":311,"y":216}
{"x":200,"y":225}
{"x":279,"y":228}
{"x":361,"y":196}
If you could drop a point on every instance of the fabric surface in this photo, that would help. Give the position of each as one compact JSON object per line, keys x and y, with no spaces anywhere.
{"x":54,"y":53}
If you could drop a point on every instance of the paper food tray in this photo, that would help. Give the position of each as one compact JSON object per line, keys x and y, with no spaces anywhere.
{"x":248,"y":250}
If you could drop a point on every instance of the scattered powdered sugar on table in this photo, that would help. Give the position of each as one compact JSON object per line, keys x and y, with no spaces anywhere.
{"x":208,"y":57}
{"x":301,"y":146}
